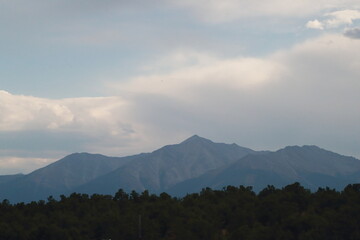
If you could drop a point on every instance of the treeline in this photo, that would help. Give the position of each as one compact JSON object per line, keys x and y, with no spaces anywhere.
{"x":231,"y":213}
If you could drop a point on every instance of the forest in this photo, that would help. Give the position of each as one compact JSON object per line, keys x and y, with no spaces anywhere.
{"x":291,"y":212}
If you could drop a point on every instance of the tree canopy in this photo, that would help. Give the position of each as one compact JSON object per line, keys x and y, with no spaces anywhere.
{"x":292,"y":212}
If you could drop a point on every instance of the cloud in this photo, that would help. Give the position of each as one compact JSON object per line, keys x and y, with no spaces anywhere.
{"x":352,"y":33}
{"x":230,"y":10}
{"x":335,"y":19}
{"x":342,"y":17}
{"x":243,"y":74}
{"x":82,"y":36}
{"x":31,"y":113}
{"x":207,"y":10}
{"x":33,"y":128}
{"x":90,"y":118}
{"x":303,"y":95}
{"x":206,"y":72}
{"x":316,"y":24}
{"x":15,"y":165}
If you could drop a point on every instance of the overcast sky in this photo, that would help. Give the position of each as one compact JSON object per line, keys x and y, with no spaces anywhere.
{"x":123,"y":77}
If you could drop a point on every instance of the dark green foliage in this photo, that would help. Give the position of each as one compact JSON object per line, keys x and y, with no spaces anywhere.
{"x":233,"y":213}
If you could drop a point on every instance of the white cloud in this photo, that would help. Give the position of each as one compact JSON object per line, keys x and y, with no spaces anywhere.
{"x":32,"y":128}
{"x":207,"y":72}
{"x":243,"y":74}
{"x":229,"y":10}
{"x":31,"y":113}
{"x":342,"y":17}
{"x":78,"y":118}
{"x":180,"y":58}
{"x":14,"y":165}
{"x":305,"y":95}
{"x":316,"y":24}
{"x":335,"y":19}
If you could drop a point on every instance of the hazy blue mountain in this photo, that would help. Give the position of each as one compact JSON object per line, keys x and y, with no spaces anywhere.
{"x":183,"y":168}
{"x":163,"y":168}
{"x":9,"y":178}
{"x":59,"y":177}
{"x":312,"y":166}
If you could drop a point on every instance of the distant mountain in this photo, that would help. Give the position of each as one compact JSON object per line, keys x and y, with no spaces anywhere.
{"x":9,"y":178}
{"x":184,"y":168}
{"x":59,"y":177}
{"x":163,"y":168}
{"x":312,"y":166}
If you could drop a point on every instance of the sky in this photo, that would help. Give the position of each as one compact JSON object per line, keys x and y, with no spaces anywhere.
{"x":124,"y":77}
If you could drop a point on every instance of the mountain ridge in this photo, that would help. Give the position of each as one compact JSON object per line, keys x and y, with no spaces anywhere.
{"x":184,"y":168}
{"x":286,"y":165}
{"x":171,"y":164}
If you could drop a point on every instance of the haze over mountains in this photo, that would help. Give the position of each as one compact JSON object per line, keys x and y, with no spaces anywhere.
{"x":184,"y":168}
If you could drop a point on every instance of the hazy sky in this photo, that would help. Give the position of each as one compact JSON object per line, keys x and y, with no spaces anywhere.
{"x":123,"y":77}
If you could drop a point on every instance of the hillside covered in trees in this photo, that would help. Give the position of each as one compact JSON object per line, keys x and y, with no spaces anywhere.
{"x":292,"y":212}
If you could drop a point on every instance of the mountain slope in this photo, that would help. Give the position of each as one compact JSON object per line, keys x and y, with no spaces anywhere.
{"x":183,"y":168}
{"x":59,"y":177}
{"x":9,"y":178}
{"x":313,"y":167}
{"x":168,"y":166}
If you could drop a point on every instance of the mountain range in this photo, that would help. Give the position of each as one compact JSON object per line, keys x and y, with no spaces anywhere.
{"x":184,"y":168}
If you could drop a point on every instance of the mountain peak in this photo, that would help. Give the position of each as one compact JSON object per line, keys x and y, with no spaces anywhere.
{"x":302,"y":148}
{"x":195,"y":139}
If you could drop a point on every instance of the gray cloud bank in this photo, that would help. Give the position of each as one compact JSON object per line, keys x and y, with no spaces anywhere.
{"x":305,"y":95}
{"x":353,"y":33}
